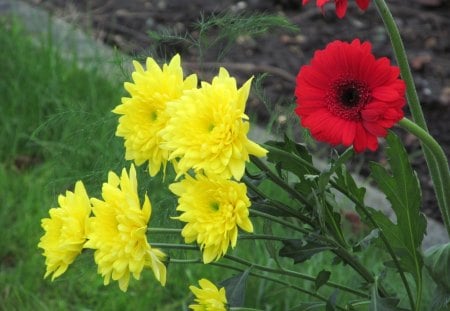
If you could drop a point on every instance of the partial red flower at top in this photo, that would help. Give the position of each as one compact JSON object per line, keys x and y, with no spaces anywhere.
{"x":341,"y":5}
{"x":346,"y":96}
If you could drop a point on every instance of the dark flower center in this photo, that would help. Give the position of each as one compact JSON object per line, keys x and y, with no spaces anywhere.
{"x":347,"y":97}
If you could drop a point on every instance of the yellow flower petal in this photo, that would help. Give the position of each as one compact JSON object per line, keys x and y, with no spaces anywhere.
{"x":213,"y":208}
{"x":208,"y":297}
{"x":143,"y":114}
{"x":65,"y":230}
{"x":207,"y":129}
{"x":118,"y":232}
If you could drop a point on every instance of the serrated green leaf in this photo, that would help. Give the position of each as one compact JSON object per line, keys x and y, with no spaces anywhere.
{"x":235,"y":288}
{"x":403,"y":192}
{"x":300,"y":250}
{"x":321,"y":279}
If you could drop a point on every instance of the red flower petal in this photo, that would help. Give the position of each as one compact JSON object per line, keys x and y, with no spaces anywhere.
{"x":372,"y":142}
{"x":363,"y":4}
{"x":347,"y":96}
{"x":348,"y":133}
{"x":360,"y":142}
{"x":375,"y":129}
{"x":341,"y":8}
{"x":385,"y":93}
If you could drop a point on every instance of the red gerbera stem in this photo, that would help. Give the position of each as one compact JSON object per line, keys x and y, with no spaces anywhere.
{"x":439,"y":183}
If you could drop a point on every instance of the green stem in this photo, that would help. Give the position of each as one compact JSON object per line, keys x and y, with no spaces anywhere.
{"x":176,"y":246}
{"x":414,"y":103}
{"x":279,"y":181}
{"x":164,"y":230}
{"x":260,"y":276}
{"x":335,"y":247}
{"x":442,"y":183}
{"x":293,"y":274}
{"x":257,"y":267}
{"x":402,"y":60}
{"x":262,"y":237}
{"x":277,"y":204}
{"x":280,"y":221}
{"x":360,"y":206}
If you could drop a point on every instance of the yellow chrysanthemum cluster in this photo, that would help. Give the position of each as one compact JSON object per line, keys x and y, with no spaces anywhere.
{"x":65,"y":230}
{"x":144,"y":113}
{"x":208,"y":297}
{"x":207,"y":130}
{"x":117,"y":232}
{"x":213,"y":209}
{"x":201,"y":130}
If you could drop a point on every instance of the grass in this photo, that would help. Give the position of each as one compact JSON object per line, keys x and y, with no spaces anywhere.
{"x":58,"y":128}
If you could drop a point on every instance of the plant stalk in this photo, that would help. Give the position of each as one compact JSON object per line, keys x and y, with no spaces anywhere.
{"x":359,"y":205}
{"x":334,"y":247}
{"x":413,"y":99}
{"x":442,"y":183}
{"x":279,"y":181}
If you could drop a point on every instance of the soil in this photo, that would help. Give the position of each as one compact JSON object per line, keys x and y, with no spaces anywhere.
{"x":424,"y":26}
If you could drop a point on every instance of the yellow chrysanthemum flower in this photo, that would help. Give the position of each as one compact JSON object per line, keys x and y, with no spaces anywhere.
{"x":208,"y":297}
{"x":65,"y":230}
{"x":213,"y":209}
{"x":143,"y":114}
{"x":208,"y":127}
{"x":118,"y":232}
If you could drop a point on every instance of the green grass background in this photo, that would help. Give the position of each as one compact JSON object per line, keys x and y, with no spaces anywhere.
{"x":57,"y":128}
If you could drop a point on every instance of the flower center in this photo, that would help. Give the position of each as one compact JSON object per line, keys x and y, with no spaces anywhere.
{"x":214,"y":206}
{"x":153,"y":115}
{"x":347,"y":97}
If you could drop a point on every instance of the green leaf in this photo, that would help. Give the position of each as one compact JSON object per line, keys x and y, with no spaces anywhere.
{"x":403,"y":191}
{"x":235,"y":288}
{"x":437,"y":262}
{"x":299,"y":250}
{"x":345,"y":181}
{"x":441,"y":300}
{"x":321,"y":279}
{"x":367,"y":240}
{"x":299,"y":162}
{"x":378,"y":303}
{"x":331,"y":302}
{"x":271,"y":247}
{"x":324,"y":177}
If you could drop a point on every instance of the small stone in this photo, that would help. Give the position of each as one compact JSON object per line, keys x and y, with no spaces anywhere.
{"x":431,"y":42}
{"x":444,"y":98}
{"x":282,"y":119}
{"x":418,"y":62}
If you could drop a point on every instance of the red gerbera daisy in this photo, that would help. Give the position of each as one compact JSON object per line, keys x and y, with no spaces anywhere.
{"x":346,"y":96}
{"x":341,"y":5}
